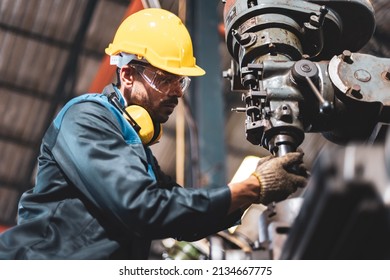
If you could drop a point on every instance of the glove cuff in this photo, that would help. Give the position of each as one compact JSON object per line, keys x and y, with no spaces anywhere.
{"x":258,"y":177}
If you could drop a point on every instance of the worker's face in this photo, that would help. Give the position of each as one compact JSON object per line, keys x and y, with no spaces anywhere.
{"x":159,"y":98}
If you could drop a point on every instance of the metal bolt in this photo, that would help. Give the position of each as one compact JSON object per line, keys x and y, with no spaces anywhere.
{"x":251,"y":3}
{"x":227,"y":74}
{"x":355,"y":91}
{"x":306,"y":68}
{"x":346,"y":56}
{"x":245,"y":39}
{"x":356,"y":88}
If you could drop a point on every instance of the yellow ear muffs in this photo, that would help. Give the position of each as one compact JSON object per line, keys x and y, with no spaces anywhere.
{"x":149,"y":132}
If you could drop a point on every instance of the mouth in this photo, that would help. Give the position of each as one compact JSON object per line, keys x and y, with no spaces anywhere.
{"x":170,"y":104}
{"x":166,"y":109}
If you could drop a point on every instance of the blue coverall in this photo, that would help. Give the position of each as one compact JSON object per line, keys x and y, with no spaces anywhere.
{"x":100,"y":194}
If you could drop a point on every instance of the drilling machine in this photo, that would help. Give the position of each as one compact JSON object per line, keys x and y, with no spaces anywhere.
{"x":297,"y":66}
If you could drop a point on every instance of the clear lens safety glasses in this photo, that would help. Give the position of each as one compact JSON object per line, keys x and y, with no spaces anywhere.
{"x":162,"y":81}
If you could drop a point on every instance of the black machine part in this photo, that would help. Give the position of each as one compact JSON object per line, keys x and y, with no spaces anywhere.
{"x":344,"y":98}
{"x":290,"y":28}
{"x":345,"y":213}
{"x":295,"y":64}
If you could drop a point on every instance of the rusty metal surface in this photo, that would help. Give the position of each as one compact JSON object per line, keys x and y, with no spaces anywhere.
{"x":362,"y":77}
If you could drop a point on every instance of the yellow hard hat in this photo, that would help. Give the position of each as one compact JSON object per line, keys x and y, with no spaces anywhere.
{"x":161,"y":38}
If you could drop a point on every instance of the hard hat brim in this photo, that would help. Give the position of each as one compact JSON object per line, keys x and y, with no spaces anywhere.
{"x":185,"y":71}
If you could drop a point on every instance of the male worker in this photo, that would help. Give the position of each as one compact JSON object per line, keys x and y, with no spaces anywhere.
{"x":99,"y":192}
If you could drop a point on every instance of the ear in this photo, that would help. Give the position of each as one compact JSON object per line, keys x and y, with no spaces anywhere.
{"x":126,"y":75}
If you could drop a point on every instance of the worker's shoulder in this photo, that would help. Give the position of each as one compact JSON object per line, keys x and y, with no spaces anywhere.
{"x":86,"y":105}
{"x":89,"y":99}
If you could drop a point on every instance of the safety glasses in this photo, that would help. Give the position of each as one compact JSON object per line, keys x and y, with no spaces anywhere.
{"x":162,"y":81}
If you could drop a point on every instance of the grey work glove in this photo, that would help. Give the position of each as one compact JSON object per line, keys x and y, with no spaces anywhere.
{"x":280,"y":176}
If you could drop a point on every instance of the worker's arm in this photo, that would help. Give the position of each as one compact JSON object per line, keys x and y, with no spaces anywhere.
{"x":112,"y":172}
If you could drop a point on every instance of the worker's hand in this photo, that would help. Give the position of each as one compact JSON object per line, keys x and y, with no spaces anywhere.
{"x":280,"y":176}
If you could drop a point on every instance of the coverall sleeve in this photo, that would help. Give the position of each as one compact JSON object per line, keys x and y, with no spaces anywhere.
{"x":113,"y":175}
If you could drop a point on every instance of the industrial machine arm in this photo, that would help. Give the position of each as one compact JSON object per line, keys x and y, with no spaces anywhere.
{"x":297,"y":67}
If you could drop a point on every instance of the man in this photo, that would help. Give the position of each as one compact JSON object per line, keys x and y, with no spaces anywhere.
{"x":99,"y":192}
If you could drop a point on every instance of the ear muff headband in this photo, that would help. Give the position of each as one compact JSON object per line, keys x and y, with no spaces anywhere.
{"x":149,"y":132}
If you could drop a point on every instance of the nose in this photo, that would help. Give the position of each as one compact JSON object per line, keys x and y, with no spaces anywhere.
{"x":176,"y":91}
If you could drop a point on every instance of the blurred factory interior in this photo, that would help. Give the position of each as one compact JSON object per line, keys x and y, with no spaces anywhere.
{"x":53,"y":50}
